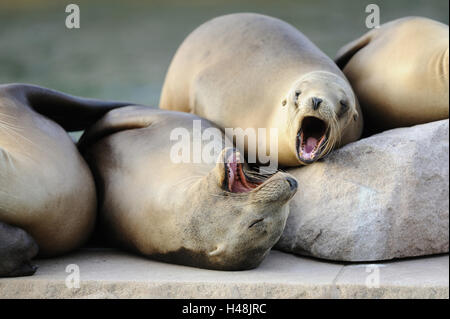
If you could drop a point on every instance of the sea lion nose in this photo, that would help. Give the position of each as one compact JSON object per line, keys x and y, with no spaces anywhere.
{"x":292,"y":183}
{"x":316,"y":102}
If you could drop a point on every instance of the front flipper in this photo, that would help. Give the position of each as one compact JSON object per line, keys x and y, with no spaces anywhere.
{"x":128,"y":118}
{"x":17,"y":248}
{"x":71,"y":112}
{"x":345,"y":53}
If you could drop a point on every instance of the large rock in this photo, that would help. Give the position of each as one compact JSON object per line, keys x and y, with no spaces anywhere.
{"x":383,"y":197}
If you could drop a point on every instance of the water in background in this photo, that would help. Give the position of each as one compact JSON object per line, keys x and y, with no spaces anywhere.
{"x":123,"y":48}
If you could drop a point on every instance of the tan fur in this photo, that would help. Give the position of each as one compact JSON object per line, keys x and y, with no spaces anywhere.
{"x":178,"y":212}
{"x":240,"y":71}
{"x":46,"y":187}
{"x":400,"y":72}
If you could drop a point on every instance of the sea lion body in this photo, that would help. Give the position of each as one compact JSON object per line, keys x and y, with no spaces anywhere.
{"x":180,"y":212}
{"x":17,"y":248}
{"x":46,"y":189}
{"x":400,"y":72}
{"x":243,"y":71}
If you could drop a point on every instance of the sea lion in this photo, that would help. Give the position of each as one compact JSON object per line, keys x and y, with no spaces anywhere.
{"x":47,"y":193}
{"x":202,"y":214}
{"x":400,"y":73}
{"x":253,"y":71}
{"x":17,"y":248}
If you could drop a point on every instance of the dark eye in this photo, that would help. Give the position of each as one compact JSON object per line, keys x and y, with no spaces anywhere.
{"x":297,"y":93}
{"x":344,"y":108}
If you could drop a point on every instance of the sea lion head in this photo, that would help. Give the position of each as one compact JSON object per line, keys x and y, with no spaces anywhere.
{"x":319,"y":106}
{"x":240,"y":216}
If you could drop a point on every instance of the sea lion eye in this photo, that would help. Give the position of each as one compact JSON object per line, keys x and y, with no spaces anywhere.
{"x":297,"y":94}
{"x":344,"y":108}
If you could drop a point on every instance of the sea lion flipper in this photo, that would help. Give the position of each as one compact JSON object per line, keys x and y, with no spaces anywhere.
{"x":17,"y":248}
{"x":122,"y":119}
{"x":25,"y":269}
{"x":350,"y":49}
{"x":71,"y":112}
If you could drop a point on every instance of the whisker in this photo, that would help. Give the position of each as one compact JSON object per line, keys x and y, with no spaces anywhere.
{"x":190,"y":180}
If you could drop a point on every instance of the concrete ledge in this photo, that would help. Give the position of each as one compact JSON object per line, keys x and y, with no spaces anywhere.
{"x":114,"y":274}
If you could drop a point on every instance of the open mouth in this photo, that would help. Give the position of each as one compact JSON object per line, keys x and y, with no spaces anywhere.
{"x":236,"y":180}
{"x":310,"y":139}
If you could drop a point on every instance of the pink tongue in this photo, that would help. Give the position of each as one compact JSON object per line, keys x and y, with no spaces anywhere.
{"x":311,"y":142}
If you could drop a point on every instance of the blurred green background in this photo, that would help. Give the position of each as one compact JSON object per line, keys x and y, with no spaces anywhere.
{"x":123,"y":48}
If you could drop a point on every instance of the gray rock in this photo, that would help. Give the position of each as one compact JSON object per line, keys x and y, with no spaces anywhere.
{"x":383,"y":197}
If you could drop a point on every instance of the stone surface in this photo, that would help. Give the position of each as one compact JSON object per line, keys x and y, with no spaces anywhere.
{"x":113,"y":274}
{"x":413,"y":278}
{"x":379,"y":198}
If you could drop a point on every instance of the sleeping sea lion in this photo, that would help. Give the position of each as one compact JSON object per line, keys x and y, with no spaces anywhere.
{"x":47,"y":193}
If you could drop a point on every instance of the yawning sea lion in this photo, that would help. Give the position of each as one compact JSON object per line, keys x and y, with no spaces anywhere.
{"x":208,"y":214}
{"x":253,"y":71}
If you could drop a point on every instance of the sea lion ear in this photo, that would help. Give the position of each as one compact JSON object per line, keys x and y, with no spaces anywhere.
{"x":228,"y":155}
{"x":219,"y":249}
{"x":355,"y":116}
{"x":284,"y":102}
